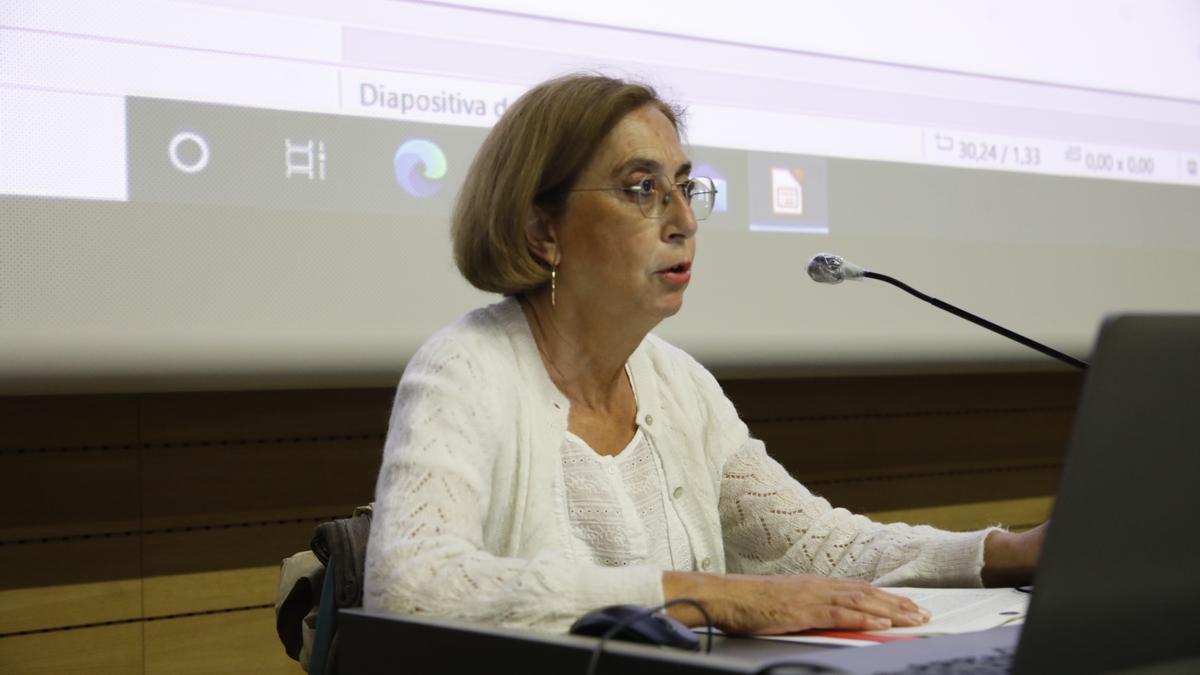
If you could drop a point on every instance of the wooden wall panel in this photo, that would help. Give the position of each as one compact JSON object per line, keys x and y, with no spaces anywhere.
{"x":888,"y":443}
{"x":881,"y":444}
{"x":69,"y":605}
{"x":31,"y":422}
{"x":170,"y":595}
{"x":208,"y":569}
{"x":74,"y":492}
{"x":1017,"y":514}
{"x":253,"y":415}
{"x":856,"y":397}
{"x":219,"y":483}
{"x":230,"y":643}
{"x":170,"y":513}
{"x":924,"y":491}
{"x":102,"y":650}
{"x":69,"y":582}
{"x":219,"y":548}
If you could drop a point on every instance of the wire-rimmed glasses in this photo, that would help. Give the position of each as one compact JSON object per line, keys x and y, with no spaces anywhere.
{"x":653,"y":200}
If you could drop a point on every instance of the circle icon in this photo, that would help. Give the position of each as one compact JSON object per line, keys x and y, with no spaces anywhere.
{"x":188,"y":152}
{"x":420,"y":166}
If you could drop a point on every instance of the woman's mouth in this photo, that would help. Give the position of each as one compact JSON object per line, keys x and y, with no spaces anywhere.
{"x":678,"y":274}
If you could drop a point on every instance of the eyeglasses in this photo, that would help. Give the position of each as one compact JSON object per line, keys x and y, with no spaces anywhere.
{"x":654,"y":193}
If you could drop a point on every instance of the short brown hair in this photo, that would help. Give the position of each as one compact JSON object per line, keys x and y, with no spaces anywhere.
{"x":532,"y":157}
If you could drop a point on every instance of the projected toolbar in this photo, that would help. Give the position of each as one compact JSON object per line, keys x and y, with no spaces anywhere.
{"x":1059,"y":157}
{"x":68,"y":74}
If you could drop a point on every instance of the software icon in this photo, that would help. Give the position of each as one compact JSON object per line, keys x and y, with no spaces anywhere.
{"x":787,"y":188}
{"x":420,"y":167}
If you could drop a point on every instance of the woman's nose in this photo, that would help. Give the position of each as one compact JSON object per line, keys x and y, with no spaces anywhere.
{"x":680,"y":219}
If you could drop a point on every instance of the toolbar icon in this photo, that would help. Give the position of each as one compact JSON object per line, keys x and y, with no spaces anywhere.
{"x":787,"y":191}
{"x":420,"y":166}
{"x":188,"y":152}
{"x":305,"y":158}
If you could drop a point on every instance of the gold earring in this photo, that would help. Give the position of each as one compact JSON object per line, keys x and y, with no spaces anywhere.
{"x":553,"y":283}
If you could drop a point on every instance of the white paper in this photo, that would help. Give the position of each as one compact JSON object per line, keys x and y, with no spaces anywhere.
{"x":963,"y":610}
{"x":955,"y":610}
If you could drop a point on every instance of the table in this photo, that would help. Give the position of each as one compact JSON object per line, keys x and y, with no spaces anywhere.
{"x":371,"y":642}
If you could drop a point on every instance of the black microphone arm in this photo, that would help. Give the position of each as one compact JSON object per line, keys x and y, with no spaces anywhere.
{"x":827,"y":268}
{"x":980,"y":321}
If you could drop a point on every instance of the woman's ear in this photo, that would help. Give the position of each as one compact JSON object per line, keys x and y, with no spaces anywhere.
{"x":541,"y":237}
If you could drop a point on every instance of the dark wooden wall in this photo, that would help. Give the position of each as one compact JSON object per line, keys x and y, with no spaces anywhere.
{"x":142,"y":533}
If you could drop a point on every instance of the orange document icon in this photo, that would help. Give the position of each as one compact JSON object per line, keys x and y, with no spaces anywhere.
{"x":787,"y":191}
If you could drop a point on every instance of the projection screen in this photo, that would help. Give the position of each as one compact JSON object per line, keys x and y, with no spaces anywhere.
{"x":220,"y":194}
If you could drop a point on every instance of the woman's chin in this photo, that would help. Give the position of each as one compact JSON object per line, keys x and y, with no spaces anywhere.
{"x":670,"y":305}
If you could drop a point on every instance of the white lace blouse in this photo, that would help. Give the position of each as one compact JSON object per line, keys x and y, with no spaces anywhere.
{"x":471,"y":518}
{"x":619,"y":507}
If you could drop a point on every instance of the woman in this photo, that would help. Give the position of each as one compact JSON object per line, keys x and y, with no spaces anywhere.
{"x":548,"y":456}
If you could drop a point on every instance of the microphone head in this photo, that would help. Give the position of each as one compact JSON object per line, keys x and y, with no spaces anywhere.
{"x":827,"y":268}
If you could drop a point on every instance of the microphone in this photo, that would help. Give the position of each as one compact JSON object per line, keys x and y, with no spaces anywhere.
{"x":827,"y":268}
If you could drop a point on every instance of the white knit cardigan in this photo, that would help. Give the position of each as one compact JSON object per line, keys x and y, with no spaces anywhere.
{"x":470,"y":520}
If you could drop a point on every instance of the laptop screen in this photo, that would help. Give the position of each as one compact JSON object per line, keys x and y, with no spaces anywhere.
{"x":1117,"y":584}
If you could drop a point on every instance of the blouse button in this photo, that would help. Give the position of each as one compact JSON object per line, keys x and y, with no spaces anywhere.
{"x":649,"y":420}
{"x":705,"y":564}
{"x":678,"y":492}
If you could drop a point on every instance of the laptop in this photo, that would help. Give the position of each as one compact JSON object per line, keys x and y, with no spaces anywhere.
{"x":1118,"y":584}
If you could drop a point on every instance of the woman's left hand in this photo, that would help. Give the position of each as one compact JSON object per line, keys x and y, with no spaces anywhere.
{"x":1009,"y":558}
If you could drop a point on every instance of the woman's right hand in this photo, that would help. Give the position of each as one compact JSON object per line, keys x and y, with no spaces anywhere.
{"x":767,"y":605}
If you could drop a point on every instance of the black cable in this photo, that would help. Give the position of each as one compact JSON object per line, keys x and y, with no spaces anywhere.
{"x":980,"y":321}
{"x":595,"y":661}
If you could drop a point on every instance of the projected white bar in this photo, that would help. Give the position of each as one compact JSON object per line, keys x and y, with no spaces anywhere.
{"x":1112,"y":45}
{"x":41,"y":60}
{"x":265,"y":59}
{"x":55,"y":144}
{"x":182,"y":25}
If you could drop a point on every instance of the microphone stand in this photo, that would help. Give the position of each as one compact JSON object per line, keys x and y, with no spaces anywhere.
{"x":979,"y":321}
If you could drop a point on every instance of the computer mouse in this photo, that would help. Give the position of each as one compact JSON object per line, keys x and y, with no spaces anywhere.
{"x":647,"y":627}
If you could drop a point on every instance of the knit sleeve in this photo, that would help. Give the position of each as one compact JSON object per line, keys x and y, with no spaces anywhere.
{"x":427,"y":552}
{"x":773,"y":525}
